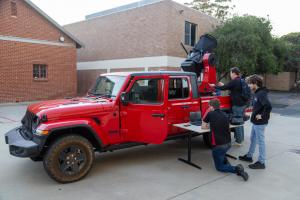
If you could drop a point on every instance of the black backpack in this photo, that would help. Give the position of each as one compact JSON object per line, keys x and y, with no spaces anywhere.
{"x":246,"y":91}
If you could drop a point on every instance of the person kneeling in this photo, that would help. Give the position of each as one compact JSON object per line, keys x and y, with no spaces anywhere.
{"x":221,"y":139}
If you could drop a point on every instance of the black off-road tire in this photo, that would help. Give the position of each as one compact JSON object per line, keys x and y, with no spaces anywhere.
{"x":52,"y":160}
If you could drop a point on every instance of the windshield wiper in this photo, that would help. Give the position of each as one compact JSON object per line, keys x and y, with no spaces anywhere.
{"x":105,"y":95}
{"x":92,"y":93}
{"x":101,"y":95}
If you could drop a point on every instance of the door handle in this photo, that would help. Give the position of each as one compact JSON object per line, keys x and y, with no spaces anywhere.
{"x":158,"y":115}
{"x":185,"y":106}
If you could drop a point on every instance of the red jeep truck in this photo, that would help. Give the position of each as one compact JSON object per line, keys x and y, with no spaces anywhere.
{"x":120,"y":111}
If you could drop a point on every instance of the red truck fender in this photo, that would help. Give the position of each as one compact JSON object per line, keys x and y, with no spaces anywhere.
{"x":84,"y":127}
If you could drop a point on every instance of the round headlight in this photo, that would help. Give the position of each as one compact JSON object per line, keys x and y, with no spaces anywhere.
{"x":35,"y":122}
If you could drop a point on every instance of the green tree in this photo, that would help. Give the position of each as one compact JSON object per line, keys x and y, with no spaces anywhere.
{"x":219,"y":9}
{"x":246,"y":42}
{"x":280,"y":51}
{"x":292,"y":40}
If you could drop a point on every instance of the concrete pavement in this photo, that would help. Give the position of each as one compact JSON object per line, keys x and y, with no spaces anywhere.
{"x":285,"y":103}
{"x":153,"y":172}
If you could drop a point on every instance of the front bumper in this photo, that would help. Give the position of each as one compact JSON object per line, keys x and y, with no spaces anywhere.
{"x":21,"y":147}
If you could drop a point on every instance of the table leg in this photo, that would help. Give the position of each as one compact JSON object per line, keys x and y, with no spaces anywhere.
{"x":189,"y":160}
{"x":231,"y":156}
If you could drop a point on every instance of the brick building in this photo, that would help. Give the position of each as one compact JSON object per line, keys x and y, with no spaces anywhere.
{"x":37,"y":56}
{"x":140,"y":36}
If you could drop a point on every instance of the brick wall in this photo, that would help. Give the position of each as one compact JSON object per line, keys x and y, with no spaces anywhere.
{"x":148,"y":31}
{"x":17,"y":58}
{"x":176,"y":17}
{"x":283,"y":81}
{"x":27,"y":24}
{"x":16,"y":68}
{"x":151,"y":30}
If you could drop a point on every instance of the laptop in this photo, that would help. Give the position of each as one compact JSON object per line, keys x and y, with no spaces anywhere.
{"x":195,"y":118}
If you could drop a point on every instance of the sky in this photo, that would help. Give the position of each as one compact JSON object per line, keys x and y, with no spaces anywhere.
{"x":284,"y":15}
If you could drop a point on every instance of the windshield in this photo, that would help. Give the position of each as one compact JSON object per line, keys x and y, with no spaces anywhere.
{"x":108,"y":86}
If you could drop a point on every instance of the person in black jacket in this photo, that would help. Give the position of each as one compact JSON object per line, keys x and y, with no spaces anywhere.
{"x":238,"y":103}
{"x":221,"y":139}
{"x":259,"y":118}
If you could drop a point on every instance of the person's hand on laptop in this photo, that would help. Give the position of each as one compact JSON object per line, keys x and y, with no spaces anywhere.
{"x":204,"y":125}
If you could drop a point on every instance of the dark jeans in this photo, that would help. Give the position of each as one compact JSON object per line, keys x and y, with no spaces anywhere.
{"x":219,"y":156}
{"x":238,"y":113}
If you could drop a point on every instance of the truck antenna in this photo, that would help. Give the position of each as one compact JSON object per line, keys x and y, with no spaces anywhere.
{"x":224,"y":75}
{"x":184,"y":48}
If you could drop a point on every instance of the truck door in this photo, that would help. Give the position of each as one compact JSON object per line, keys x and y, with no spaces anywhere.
{"x":143,"y":119}
{"x":180,"y":102}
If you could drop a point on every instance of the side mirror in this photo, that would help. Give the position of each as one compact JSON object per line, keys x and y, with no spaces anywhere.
{"x":124,"y":98}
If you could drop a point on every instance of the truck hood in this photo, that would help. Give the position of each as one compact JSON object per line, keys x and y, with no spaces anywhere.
{"x":66,"y":108}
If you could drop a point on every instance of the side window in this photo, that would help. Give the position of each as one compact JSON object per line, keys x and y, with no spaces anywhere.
{"x":190,"y":33}
{"x":179,"y":88}
{"x":40,"y":71}
{"x":147,"y":91}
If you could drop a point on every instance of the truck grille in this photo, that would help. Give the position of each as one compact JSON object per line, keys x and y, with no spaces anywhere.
{"x":27,"y":125}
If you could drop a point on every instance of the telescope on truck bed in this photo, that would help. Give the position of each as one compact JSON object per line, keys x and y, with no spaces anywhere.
{"x":201,"y":60}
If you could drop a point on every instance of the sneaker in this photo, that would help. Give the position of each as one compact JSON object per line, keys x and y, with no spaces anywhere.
{"x":239,"y":168}
{"x":244,"y":175}
{"x":240,"y":172}
{"x":246,"y":158}
{"x":237,"y":144}
{"x":257,"y":165}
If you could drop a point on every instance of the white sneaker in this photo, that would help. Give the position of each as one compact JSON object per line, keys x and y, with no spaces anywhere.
{"x":237,"y":144}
